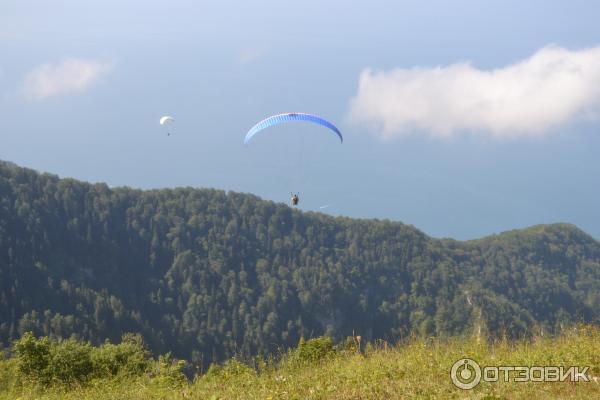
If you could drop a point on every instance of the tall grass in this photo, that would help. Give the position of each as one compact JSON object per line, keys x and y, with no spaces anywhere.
{"x":419,"y":368}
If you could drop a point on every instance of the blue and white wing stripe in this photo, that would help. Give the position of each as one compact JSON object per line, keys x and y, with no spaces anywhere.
{"x":281,"y":118}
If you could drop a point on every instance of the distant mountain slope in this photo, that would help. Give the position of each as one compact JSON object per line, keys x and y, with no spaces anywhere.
{"x":208,"y":274}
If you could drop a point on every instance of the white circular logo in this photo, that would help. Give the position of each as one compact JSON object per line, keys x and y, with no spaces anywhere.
{"x":465,"y":374}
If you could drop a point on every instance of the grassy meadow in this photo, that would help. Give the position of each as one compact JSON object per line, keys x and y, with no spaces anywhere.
{"x":418,"y":368}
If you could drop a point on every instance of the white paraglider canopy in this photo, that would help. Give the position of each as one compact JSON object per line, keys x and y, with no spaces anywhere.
{"x":165,"y":119}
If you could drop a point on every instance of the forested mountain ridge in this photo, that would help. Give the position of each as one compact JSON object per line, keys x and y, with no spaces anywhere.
{"x":208,"y":274}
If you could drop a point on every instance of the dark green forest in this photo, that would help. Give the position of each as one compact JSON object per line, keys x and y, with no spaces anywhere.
{"x":209,"y":274}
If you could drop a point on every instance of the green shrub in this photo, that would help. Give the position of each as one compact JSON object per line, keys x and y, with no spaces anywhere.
{"x":231,"y":368}
{"x":130,"y":357}
{"x":9,"y":375}
{"x":68,"y":362}
{"x":169,"y":372}
{"x":314,"y":350}
{"x":48,"y":362}
{"x":33,"y":357}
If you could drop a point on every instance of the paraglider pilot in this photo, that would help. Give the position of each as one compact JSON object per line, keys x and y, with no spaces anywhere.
{"x":295,"y":199}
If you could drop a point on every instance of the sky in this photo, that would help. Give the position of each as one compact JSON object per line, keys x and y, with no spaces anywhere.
{"x":462,"y":118}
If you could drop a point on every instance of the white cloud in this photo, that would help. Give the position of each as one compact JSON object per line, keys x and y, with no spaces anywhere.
{"x":551,"y":87}
{"x":69,"y":76}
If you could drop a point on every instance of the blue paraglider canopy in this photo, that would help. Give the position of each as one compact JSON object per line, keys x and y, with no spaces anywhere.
{"x":281,"y":118}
